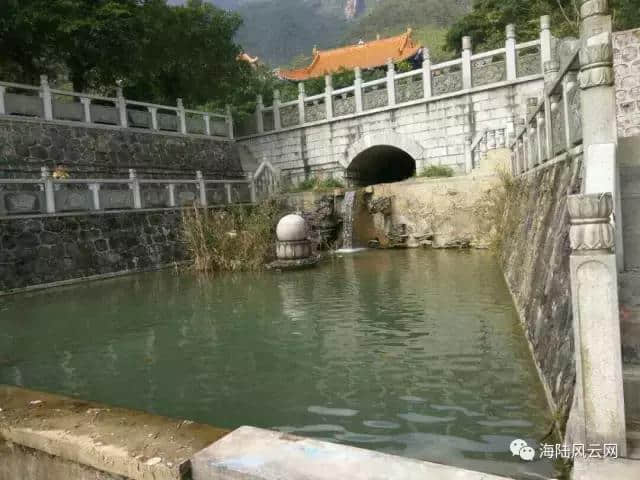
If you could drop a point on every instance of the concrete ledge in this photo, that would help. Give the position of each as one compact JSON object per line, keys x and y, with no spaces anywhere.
{"x":255,"y":454}
{"x":605,"y":469}
{"x":89,"y":436}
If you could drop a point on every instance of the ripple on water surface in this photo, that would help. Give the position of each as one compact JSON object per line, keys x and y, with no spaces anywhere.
{"x":415,"y":352}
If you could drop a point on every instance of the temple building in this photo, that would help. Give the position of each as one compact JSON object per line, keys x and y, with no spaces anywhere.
{"x":365,"y":55}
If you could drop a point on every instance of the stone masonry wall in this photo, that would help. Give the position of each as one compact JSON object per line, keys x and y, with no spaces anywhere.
{"x":101,"y":151}
{"x":46,"y":249}
{"x":439,"y":127}
{"x":626,"y":51}
{"x":535,"y":259}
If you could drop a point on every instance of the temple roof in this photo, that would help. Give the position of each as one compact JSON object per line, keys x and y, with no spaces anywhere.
{"x":364,"y":55}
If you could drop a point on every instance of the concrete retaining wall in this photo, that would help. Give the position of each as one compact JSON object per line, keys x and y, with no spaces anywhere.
{"x":46,"y":249}
{"x":92,"y":151}
{"x":433,"y":132}
{"x":535,"y":259}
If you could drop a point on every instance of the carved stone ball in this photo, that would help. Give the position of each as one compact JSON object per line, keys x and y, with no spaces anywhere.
{"x":291,"y":228}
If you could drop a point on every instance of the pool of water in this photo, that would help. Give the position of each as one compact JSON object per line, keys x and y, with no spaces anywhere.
{"x":417,"y":353}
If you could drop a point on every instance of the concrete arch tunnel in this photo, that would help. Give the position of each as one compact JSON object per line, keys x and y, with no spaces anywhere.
{"x":382,"y":159}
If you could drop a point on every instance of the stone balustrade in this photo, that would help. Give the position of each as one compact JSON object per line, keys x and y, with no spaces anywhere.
{"x":52,"y":104}
{"x":455,"y":77}
{"x":50,"y":195}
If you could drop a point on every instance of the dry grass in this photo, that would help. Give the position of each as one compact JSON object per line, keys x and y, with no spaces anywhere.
{"x":233,"y":239}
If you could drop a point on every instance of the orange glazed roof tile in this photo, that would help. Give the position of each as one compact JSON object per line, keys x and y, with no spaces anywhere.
{"x":364,"y":55}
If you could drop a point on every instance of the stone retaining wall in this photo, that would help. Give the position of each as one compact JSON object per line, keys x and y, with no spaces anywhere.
{"x":48,"y":249}
{"x":94,"y":151}
{"x":535,"y":259}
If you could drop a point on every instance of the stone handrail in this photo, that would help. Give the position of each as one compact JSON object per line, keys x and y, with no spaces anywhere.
{"x":119,"y":111}
{"x":58,"y":195}
{"x":486,"y":140}
{"x":461,"y":75}
{"x":553,"y":123}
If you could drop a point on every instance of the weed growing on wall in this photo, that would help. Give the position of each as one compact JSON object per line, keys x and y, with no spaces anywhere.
{"x":314,"y":184}
{"x":233,"y":239}
{"x":435,"y":171}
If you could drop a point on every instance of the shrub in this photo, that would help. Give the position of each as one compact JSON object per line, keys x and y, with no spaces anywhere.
{"x":234,"y":239}
{"x":434,"y":171}
{"x":314,"y":184}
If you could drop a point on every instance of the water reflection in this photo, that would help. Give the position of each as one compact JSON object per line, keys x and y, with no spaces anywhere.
{"x":412,"y":352}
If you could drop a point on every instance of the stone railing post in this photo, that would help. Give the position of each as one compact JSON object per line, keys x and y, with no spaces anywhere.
{"x":153,"y":111}
{"x":259,"y":116}
{"x":207,"y":124}
{"x":172,"y":194}
{"x":252,"y":186}
{"x":229,"y":120}
{"x":227,"y":187}
{"x":569,"y":84}
{"x":86,"y":108}
{"x":551,"y":69}
{"x":135,"y":188}
{"x":599,"y":135}
{"x":277,"y":124}
{"x":202,"y":189}
{"x":467,"y":81}
{"x":357,"y":84}
{"x":598,"y":415}
{"x":3,"y":110}
{"x":49,"y":195}
{"x":121,"y":106}
{"x":182,"y":118}
{"x":45,"y":94}
{"x":95,"y":195}
{"x":328,"y":96}
{"x":426,"y":73}
{"x":546,"y":40}
{"x":301,"y":96}
{"x":511,"y":53}
{"x":540,"y":127}
{"x":468,"y":154}
{"x":391,"y":82}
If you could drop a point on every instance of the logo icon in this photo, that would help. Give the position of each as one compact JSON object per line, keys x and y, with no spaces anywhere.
{"x":519,"y":447}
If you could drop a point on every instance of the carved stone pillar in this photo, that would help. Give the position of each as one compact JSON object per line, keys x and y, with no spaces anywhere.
{"x":597,"y":415}
{"x":599,"y":107}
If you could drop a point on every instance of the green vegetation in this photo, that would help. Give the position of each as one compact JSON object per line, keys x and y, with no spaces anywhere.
{"x":487,"y":21}
{"x":314,"y":184}
{"x":233,"y":239}
{"x":434,"y":171}
{"x":160,"y":52}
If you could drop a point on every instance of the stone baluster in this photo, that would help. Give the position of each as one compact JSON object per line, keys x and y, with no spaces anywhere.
{"x":521,"y":156}
{"x":391,"y":82}
{"x":328,"y":96}
{"x":45,"y":94}
{"x":467,"y":80}
{"x":153,"y":112}
{"x":121,"y":105}
{"x":3,"y":110}
{"x":95,"y":195}
{"x":569,"y":84}
{"x":427,"y":81}
{"x":597,"y":415}
{"x":301,"y":97}
{"x":468,"y":154}
{"x":511,"y":52}
{"x":540,"y":127}
{"x":182,"y":117}
{"x":171,"y":188}
{"x":259,"y":116}
{"x":252,"y":186}
{"x":134,"y":185}
{"x":229,"y":121}
{"x":86,"y":108}
{"x":491,"y":140}
{"x":599,"y":134}
{"x":49,"y":195}
{"x":277,"y":124}
{"x":227,"y":187}
{"x":546,"y":41}
{"x":534,"y":158}
{"x":551,"y":69}
{"x":357,"y":84}
{"x":202,"y":188}
{"x":207,"y":124}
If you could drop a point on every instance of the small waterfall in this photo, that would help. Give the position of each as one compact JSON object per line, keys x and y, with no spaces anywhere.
{"x":347,"y":219}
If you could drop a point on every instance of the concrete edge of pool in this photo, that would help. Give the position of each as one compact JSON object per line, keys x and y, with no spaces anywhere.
{"x":58,"y":438}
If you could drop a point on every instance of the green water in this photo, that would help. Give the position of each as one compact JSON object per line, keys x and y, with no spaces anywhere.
{"x":417,"y":353}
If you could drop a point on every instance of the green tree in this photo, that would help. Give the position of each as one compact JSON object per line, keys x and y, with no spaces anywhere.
{"x":486,"y":23}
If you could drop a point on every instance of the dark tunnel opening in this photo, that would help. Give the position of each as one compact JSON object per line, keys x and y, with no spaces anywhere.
{"x":380,"y":164}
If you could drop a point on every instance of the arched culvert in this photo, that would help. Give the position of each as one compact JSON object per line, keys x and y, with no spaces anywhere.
{"x":380,"y":164}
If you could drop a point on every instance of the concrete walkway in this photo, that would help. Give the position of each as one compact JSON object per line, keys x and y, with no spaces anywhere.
{"x":250,"y":453}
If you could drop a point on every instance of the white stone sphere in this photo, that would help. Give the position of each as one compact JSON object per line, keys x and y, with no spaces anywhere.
{"x":291,"y":228}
